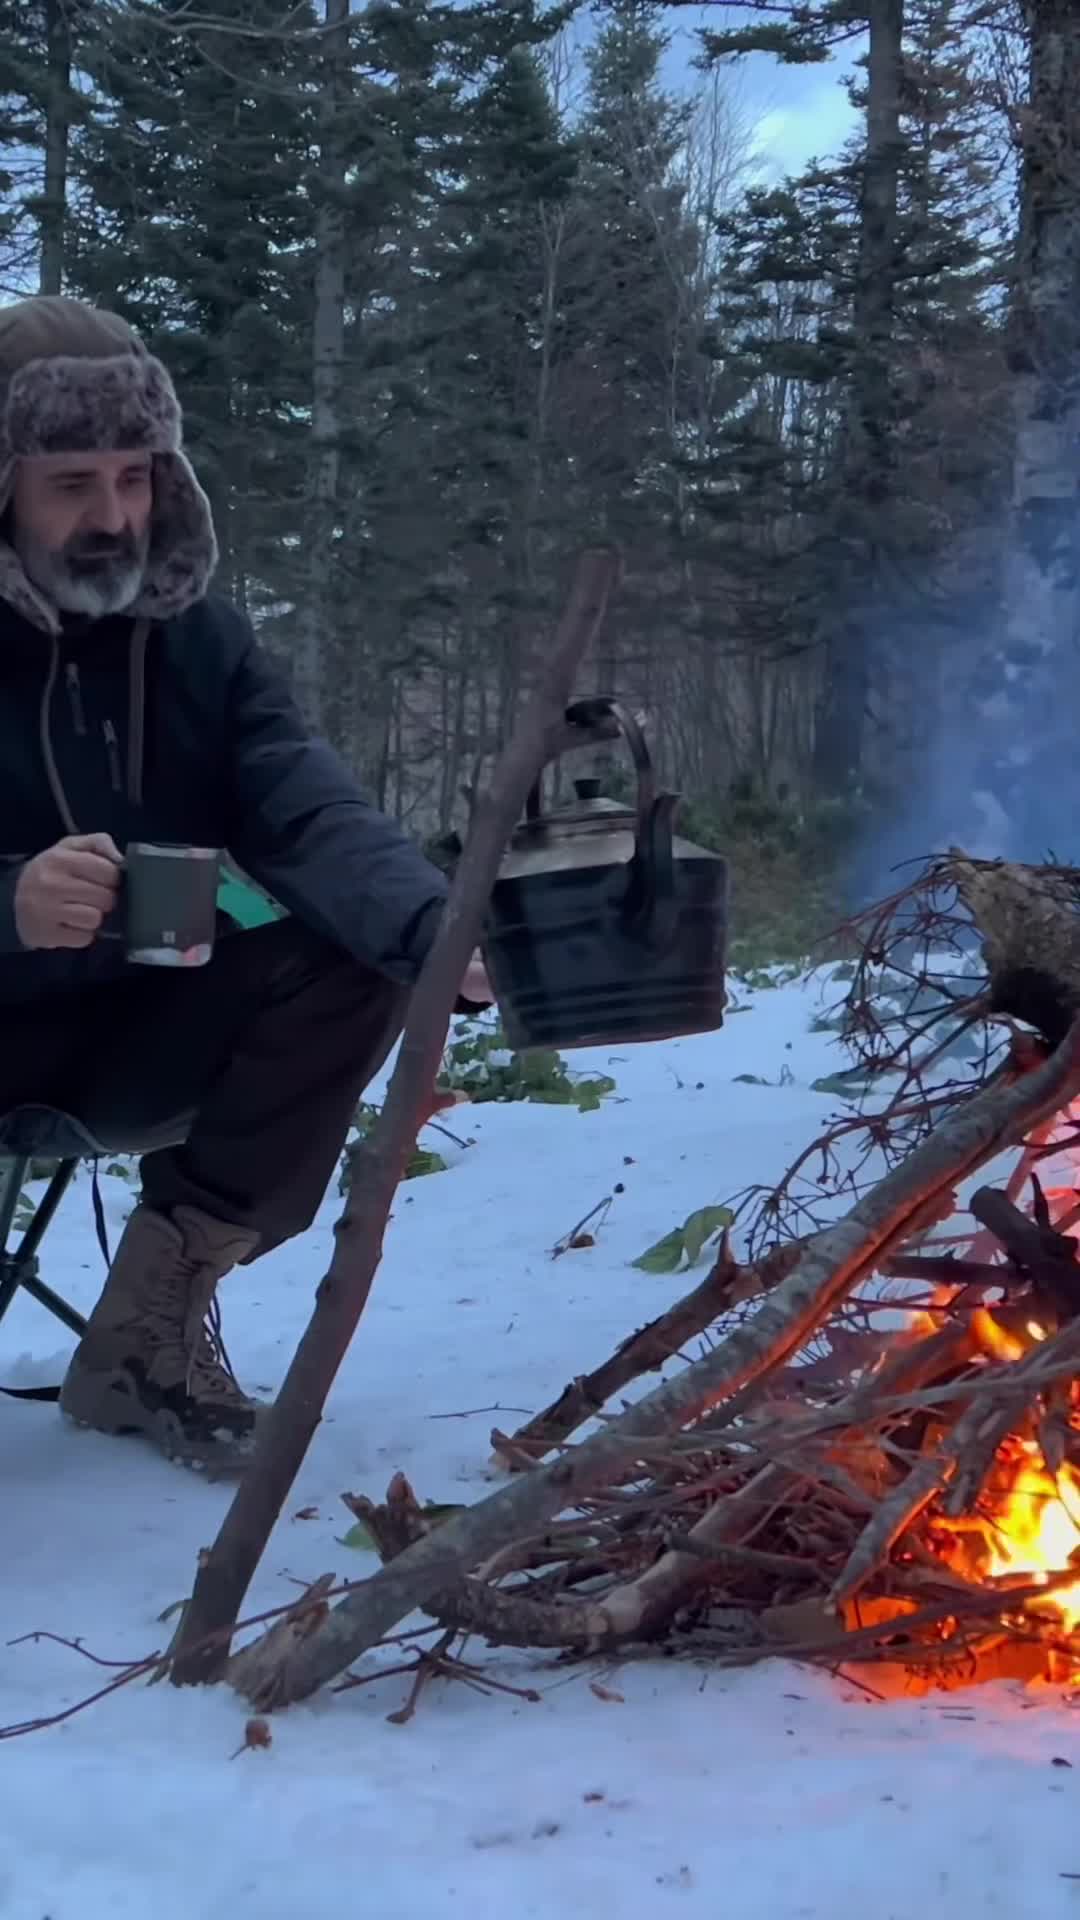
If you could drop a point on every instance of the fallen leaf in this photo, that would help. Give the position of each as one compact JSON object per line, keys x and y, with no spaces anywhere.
{"x":582,"y":1240}
{"x":607,"y":1694}
{"x":591,"y":1799}
{"x":359,"y":1536}
{"x":256,"y":1734}
{"x":306,"y":1513}
{"x":1057,"y":1761}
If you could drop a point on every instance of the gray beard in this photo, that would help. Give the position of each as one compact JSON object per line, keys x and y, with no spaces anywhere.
{"x":95,"y":588}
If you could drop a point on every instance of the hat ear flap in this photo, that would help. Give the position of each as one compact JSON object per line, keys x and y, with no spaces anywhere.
{"x":183,"y":547}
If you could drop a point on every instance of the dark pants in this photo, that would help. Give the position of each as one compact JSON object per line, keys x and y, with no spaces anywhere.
{"x":271,"y":1044}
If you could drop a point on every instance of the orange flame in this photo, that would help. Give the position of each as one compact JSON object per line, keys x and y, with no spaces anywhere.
{"x":1031,"y":1528}
{"x":1029,"y":1517}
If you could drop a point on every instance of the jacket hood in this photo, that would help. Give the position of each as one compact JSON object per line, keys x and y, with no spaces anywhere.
{"x":73,"y":380}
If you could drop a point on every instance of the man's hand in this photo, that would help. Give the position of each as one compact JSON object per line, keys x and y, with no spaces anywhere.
{"x":63,"y":895}
{"x":476,"y":986}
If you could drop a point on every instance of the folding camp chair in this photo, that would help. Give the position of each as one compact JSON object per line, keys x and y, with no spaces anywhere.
{"x":30,"y":1133}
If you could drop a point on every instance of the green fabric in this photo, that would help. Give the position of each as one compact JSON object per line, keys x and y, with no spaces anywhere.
{"x":245,"y":904}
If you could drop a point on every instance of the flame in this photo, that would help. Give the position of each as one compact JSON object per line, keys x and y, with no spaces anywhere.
{"x":1030,"y":1526}
{"x":995,"y":1340}
{"x":1029,"y":1517}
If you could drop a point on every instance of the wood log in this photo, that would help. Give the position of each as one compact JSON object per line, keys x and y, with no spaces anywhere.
{"x":1028,"y":919}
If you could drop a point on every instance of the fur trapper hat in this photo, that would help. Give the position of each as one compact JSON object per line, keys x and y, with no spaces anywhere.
{"x":76,"y":380}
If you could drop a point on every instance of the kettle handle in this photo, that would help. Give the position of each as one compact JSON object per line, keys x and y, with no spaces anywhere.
{"x":649,"y":907}
{"x":589,"y":715}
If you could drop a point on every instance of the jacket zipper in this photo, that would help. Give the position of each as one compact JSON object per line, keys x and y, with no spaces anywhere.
{"x":74,"y":693}
{"x":112,"y":748}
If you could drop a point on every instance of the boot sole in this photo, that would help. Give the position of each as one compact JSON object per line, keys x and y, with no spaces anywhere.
{"x":106,"y":1403}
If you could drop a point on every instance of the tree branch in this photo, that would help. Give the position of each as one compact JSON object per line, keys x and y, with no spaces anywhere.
{"x":284,"y":1437}
{"x":646,"y":1351}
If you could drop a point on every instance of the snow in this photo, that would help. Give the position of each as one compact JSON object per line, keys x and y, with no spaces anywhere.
{"x":775,"y":1794}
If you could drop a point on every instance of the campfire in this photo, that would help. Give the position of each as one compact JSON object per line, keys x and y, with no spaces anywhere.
{"x":884,"y":1478}
{"x":872,"y":1462}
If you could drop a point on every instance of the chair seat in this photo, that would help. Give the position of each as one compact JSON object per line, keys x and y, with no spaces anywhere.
{"x":46,"y":1133}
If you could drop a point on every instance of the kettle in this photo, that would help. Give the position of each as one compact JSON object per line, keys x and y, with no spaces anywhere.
{"x":605,"y":929}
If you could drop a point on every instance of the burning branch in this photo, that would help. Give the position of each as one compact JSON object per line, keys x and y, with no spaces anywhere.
{"x":1019,"y":1383}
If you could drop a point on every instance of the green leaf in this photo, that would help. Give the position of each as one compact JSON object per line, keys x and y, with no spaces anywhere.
{"x":424,"y":1161}
{"x":358,"y":1536}
{"x":841,"y":1083}
{"x":702,"y":1226}
{"x":665,"y":1256}
{"x":589,"y":1095}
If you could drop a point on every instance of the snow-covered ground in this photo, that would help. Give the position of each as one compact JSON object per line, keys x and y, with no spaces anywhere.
{"x":770,"y":1795}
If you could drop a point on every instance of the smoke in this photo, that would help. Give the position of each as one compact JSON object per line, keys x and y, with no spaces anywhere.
{"x":992,"y":765}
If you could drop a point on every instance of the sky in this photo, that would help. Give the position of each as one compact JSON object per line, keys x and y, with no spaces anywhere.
{"x":797,"y":113}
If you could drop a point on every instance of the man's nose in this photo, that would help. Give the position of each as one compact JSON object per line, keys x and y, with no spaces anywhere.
{"x":108,"y":513}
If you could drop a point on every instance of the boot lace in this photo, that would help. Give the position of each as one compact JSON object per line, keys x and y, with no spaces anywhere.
{"x":209,"y":1373}
{"x":187,"y":1338}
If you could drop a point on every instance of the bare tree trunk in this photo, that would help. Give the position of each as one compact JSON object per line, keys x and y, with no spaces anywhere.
{"x":319,"y":617}
{"x":225,"y":1573}
{"x":869,"y":452}
{"x":53,"y":214}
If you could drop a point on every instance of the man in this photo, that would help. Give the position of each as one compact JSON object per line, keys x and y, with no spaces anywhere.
{"x":136,"y":707}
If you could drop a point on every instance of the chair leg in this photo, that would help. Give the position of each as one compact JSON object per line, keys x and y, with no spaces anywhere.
{"x":26,"y":1253}
{"x":54,"y":1303}
{"x":11,"y":1186}
{"x":19,"y":1266}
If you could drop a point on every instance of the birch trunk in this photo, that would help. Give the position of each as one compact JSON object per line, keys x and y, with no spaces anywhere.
{"x":53,"y":216}
{"x":869,"y":453}
{"x":318,"y":621}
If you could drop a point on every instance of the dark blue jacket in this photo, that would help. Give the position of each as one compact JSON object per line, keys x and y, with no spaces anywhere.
{"x":207,"y":747}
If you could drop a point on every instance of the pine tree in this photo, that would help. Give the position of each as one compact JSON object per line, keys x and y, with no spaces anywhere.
{"x":857,"y":304}
{"x":631,"y":343}
{"x":189,"y":217}
{"x":444,"y":377}
{"x":38,"y":44}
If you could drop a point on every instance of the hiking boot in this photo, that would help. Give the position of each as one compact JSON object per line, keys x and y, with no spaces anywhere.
{"x":151,"y":1360}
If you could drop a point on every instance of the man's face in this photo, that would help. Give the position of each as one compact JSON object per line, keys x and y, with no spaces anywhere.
{"x":81,"y":528}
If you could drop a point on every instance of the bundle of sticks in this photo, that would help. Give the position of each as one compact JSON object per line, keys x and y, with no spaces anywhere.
{"x":875,"y":1461}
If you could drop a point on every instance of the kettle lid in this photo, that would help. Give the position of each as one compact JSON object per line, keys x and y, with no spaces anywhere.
{"x":590,"y":800}
{"x":588,"y":808}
